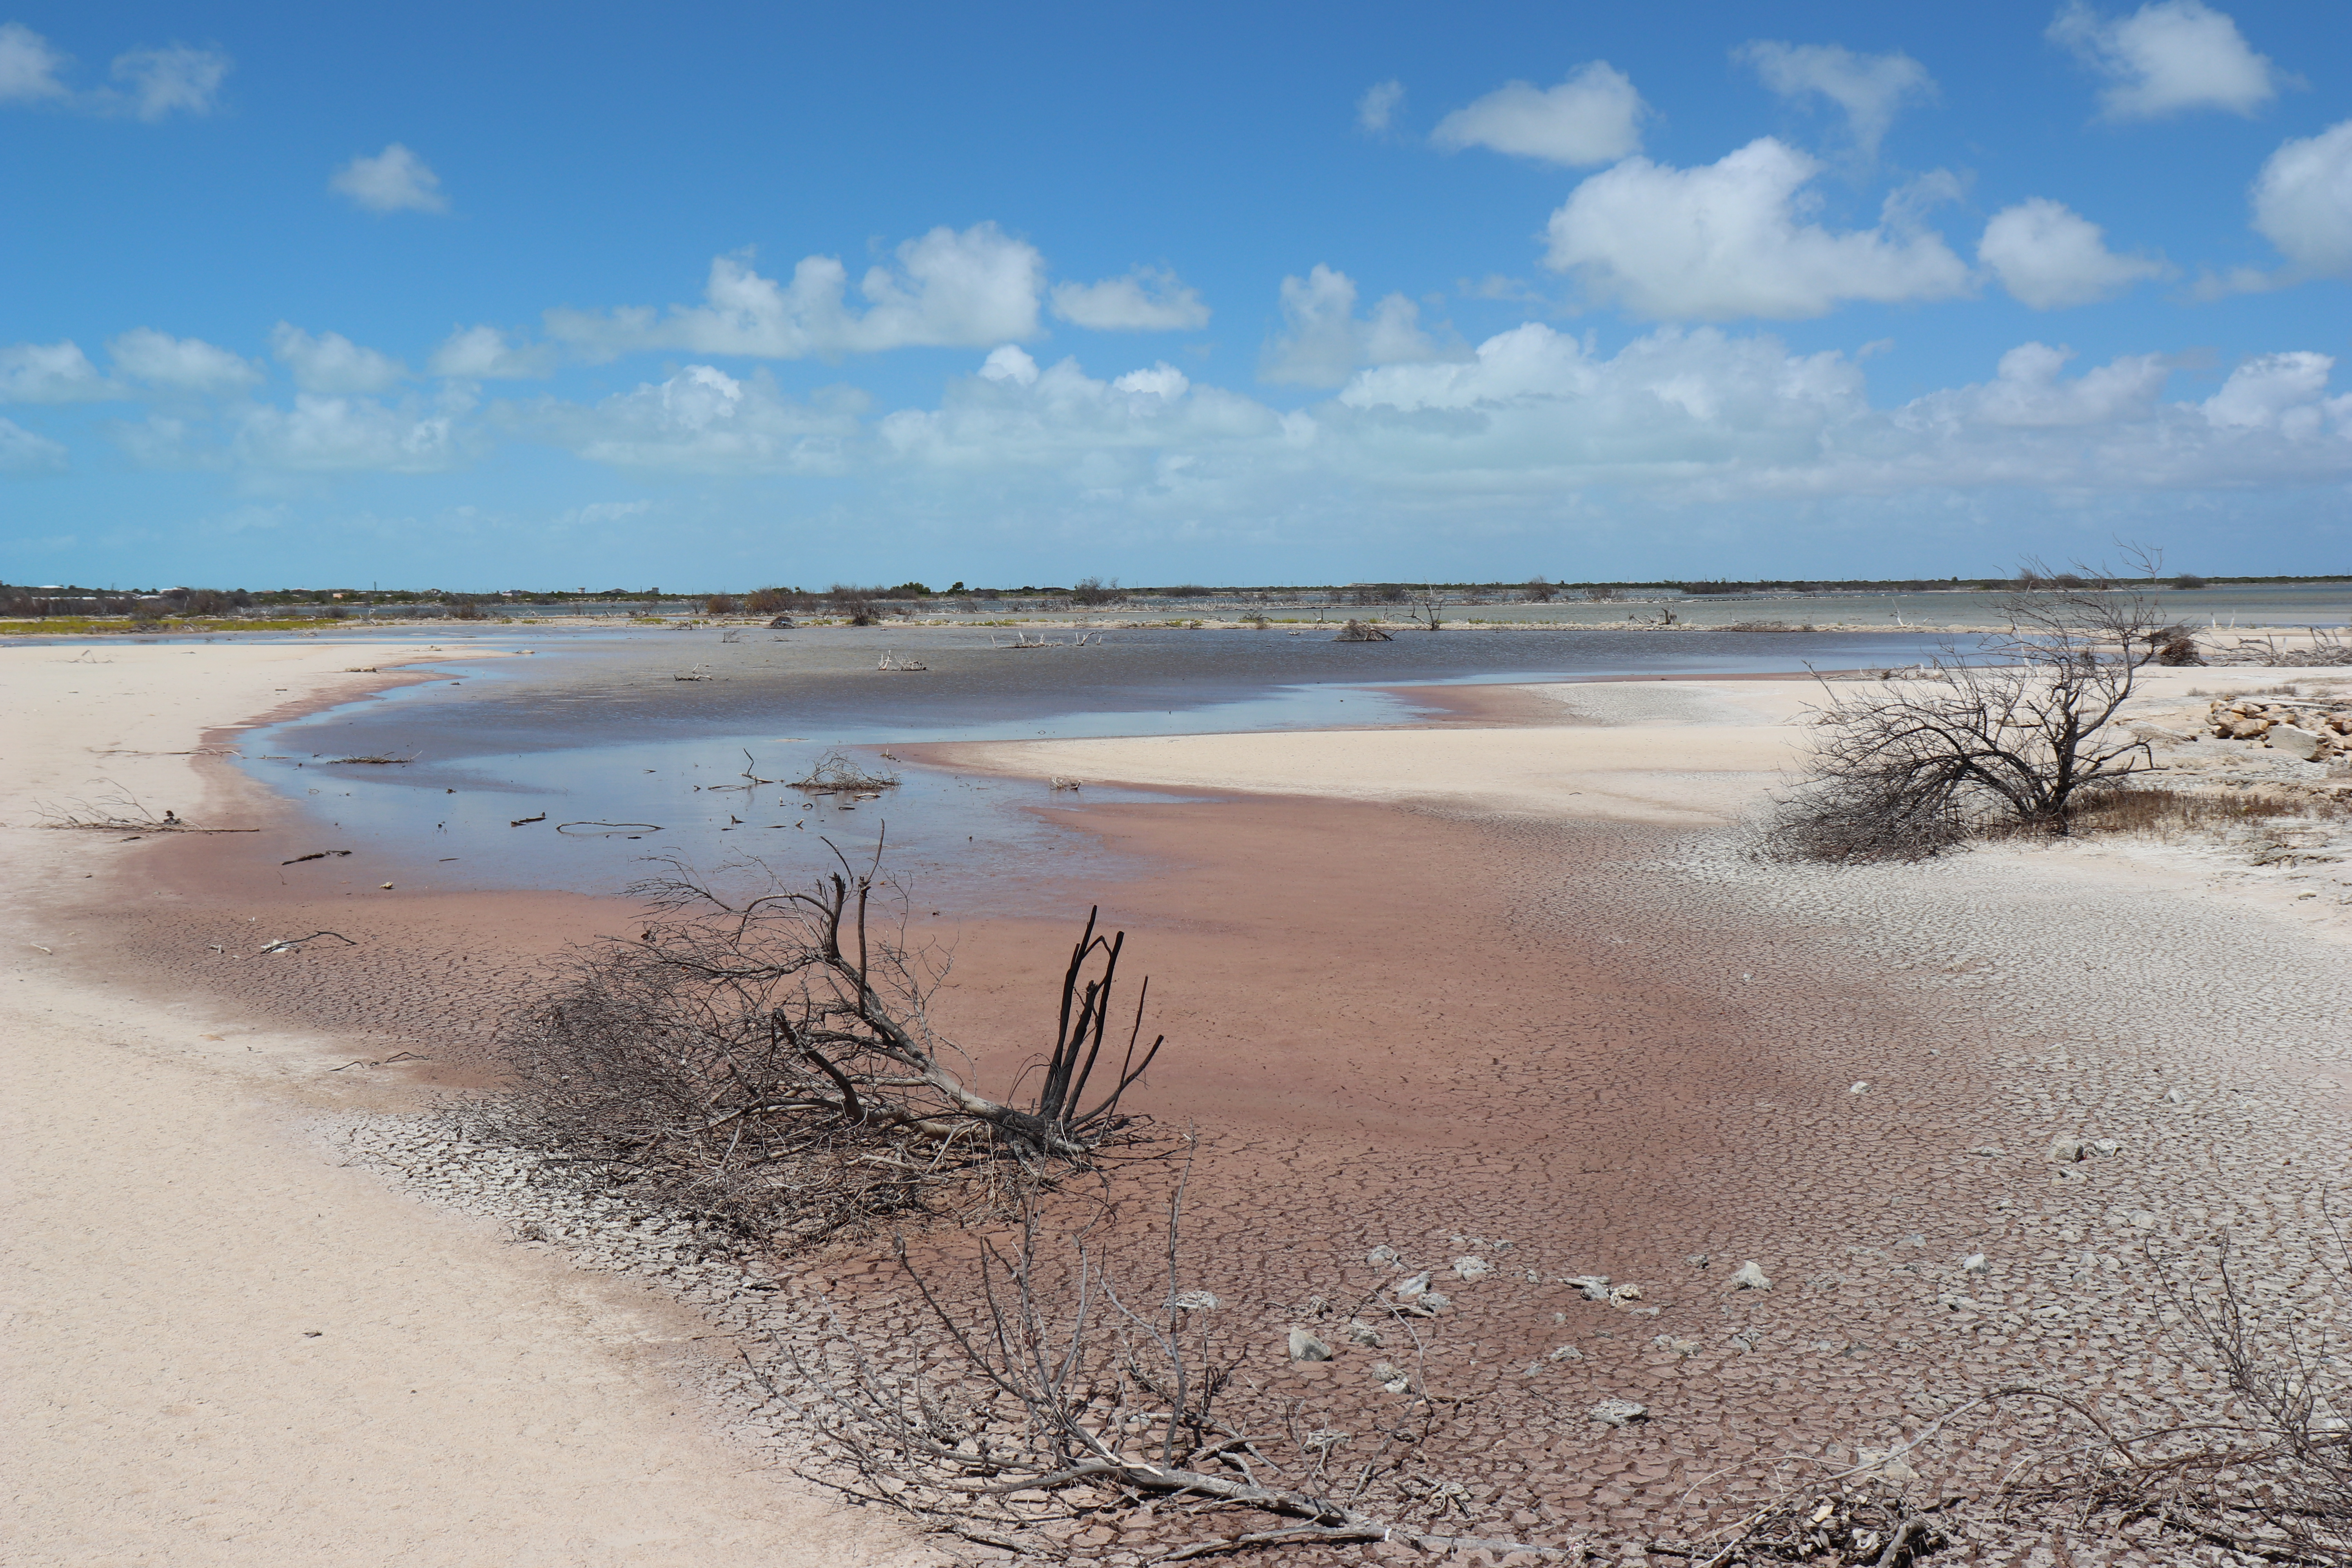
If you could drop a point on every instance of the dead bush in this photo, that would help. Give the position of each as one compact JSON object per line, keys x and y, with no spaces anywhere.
{"x":769,"y":1062}
{"x":2008,"y":741}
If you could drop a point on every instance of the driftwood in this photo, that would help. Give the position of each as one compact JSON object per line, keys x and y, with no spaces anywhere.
{"x":1359,"y":631}
{"x":294,"y":943}
{"x":315,"y":855}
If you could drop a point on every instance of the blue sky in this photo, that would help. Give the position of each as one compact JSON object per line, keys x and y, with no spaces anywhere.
{"x":535,"y":295}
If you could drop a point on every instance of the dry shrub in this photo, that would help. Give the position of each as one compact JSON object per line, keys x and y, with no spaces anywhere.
{"x":2166,"y":813}
{"x":1910,"y":770}
{"x":769,"y":1063}
{"x":2264,"y":1466}
{"x":836,"y":773}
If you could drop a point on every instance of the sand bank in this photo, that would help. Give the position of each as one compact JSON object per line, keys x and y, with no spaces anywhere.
{"x":223,"y":1348}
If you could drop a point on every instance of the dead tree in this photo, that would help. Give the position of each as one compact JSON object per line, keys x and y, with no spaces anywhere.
{"x":771,"y":1063}
{"x":2010,"y":739}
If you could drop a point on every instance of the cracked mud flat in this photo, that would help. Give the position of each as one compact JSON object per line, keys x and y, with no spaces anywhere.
{"x":1618,"y":1048}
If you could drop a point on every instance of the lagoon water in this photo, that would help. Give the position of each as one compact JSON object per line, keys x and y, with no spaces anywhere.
{"x":598,"y":735}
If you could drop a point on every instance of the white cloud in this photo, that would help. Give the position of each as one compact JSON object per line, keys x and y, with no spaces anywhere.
{"x":1593,"y":117}
{"x":22,"y":452}
{"x":1010,"y":363}
{"x":1869,"y":87}
{"x":160,"y":81}
{"x":328,"y":435}
{"x":179,"y":364}
{"x":703,"y":420}
{"x":486,"y":354}
{"x":394,"y":180}
{"x":2049,"y":256}
{"x":2028,"y":394}
{"x":1162,"y":381}
{"x":950,"y":290}
{"x":28,"y":67}
{"x":330,"y":363}
{"x":1726,"y":240}
{"x":2303,"y":203}
{"x":1148,"y":299}
{"x":51,"y":373}
{"x":1533,"y":430}
{"x":2167,"y":58}
{"x":2276,"y":391}
{"x":155,"y":82}
{"x":1322,"y":339}
{"x":1378,"y":106}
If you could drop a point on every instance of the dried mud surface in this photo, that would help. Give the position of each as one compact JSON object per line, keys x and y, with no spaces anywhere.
{"x":1625,"y":1051}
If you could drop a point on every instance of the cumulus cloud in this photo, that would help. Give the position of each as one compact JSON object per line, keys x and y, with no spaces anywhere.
{"x":2028,"y":392}
{"x":2167,"y":58}
{"x":1148,"y":299}
{"x":1322,"y":338}
{"x":28,"y":67}
{"x":331,"y":435}
{"x":2303,"y":203}
{"x":2048,"y":256}
{"x":1379,"y":106}
{"x":1593,"y":117}
{"x":394,"y":180}
{"x":486,"y":354}
{"x":949,"y":289}
{"x":2284,"y":392}
{"x":22,"y":452}
{"x":330,"y":363}
{"x":1727,"y":240}
{"x":174,"y":79}
{"x":1869,"y":87}
{"x":51,"y":373}
{"x":705,"y":421}
{"x":179,"y":364}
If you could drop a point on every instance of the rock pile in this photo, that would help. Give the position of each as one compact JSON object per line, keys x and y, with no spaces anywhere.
{"x":2304,"y":729}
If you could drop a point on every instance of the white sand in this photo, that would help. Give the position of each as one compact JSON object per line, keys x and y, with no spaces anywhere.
{"x":175,"y":1243}
{"x":1683,"y":752}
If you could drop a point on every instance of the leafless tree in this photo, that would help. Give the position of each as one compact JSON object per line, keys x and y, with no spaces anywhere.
{"x":1091,"y":592}
{"x":770,"y":1061}
{"x":2009,"y":740}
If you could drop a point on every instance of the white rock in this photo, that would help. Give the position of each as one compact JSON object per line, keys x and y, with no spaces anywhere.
{"x":2067,"y":1150}
{"x":1976,"y":1263}
{"x":1565,"y":1352}
{"x":1751,"y":1278}
{"x":1360,"y":1333}
{"x":1472,"y":1268}
{"x":1859,"y":1088}
{"x":1407,"y":1290}
{"x":1380,"y":1257}
{"x":2295,"y":741}
{"x":1594,"y":1286}
{"x":1304,"y":1346}
{"x":1619,"y":1412}
{"x":1619,"y":1293}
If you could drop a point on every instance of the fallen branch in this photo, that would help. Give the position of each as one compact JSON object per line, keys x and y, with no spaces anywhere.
{"x":292,"y":944}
